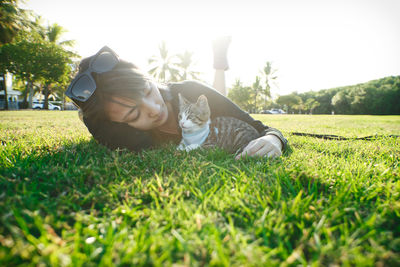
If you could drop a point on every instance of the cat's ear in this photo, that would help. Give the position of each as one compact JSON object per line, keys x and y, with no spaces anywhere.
{"x":202,"y":101}
{"x":182,"y":100}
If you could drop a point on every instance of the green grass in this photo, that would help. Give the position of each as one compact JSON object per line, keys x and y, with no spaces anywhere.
{"x":66,"y":201}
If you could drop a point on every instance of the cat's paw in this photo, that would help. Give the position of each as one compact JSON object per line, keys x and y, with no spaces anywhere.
{"x":192,"y":147}
{"x":181,"y":147}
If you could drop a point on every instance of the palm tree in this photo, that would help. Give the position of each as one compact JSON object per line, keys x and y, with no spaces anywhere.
{"x":268,"y":73}
{"x":12,"y":20}
{"x":241,"y":95}
{"x":186,"y":64}
{"x":53,"y":34}
{"x":256,"y":87}
{"x":163,"y":65}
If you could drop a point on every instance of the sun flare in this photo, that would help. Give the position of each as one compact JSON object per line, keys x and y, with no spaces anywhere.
{"x":313,"y":45}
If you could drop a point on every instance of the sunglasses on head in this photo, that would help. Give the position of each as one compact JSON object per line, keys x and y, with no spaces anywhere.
{"x":83,"y":86}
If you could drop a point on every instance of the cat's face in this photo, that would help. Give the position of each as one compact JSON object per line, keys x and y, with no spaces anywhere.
{"x":193,"y":116}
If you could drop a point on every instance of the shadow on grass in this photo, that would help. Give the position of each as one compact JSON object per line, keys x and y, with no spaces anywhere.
{"x":80,"y":176}
{"x":77,"y":175}
{"x":88,"y":177}
{"x":268,"y":203}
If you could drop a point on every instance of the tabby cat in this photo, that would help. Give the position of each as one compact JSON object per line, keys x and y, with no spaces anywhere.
{"x":198,"y":130}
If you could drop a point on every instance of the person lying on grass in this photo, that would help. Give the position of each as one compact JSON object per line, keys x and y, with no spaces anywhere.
{"x":123,"y":107}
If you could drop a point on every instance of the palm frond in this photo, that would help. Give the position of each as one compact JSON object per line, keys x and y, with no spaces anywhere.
{"x":153,"y":70}
{"x":68,"y":43}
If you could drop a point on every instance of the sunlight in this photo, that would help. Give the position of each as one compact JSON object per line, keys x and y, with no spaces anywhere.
{"x":313,"y":45}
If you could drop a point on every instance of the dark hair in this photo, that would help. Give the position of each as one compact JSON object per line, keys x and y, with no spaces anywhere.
{"x":125,"y":80}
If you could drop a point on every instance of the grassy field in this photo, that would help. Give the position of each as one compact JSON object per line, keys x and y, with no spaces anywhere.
{"x":66,"y":201}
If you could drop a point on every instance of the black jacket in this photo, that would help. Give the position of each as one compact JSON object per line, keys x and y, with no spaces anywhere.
{"x":118,"y":135}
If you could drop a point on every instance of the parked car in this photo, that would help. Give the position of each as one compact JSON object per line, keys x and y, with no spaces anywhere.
{"x":265,"y":111}
{"x":278,"y":111}
{"x":40,"y":105}
{"x":274,"y":111}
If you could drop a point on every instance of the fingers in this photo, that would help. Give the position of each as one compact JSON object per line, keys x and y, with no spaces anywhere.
{"x":250,"y":149}
{"x":274,"y":153}
{"x":269,"y":150}
{"x":253,"y":147}
{"x":265,"y":150}
{"x":260,"y":148}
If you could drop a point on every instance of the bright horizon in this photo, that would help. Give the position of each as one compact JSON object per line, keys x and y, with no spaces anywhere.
{"x":314,"y":45}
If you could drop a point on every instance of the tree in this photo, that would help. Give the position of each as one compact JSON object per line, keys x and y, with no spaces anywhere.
{"x":32,"y":52}
{"x":186,"y":65}
{"x":58,"y":74}
{"x":268,"y":73}
{"x":53,"y":34}
{"x":35,"y":62}
{"x":299,"y":106}
{"x":12,"y":20}
{"x":163,"y":66}
{"x":357,"y":100}
{"x":19,"y":59}
{"x":341,"y":102}
{"x":256,"y":88}
{"x":290,"y":101}
{"x":376,"y":97}
{"x":241,"y":95}
{"x":311,"y":104}
{"x":324,"y":97}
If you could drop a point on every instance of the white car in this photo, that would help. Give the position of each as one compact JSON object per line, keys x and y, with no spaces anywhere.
{"x":275,"y":111}
{"x":40,"y":105}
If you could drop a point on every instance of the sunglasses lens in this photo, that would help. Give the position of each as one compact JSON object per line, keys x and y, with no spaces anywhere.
{"x":83,"y":88}
{"x":106,"y":61}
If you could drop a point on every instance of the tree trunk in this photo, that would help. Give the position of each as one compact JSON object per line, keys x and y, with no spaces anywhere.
{"x":5,"y":92}
{"x":30,"y":88}
{"x":255,"y":102}
{"x":25,"y":102}
{"x":46,"y":96}
{"x":64,"y":101}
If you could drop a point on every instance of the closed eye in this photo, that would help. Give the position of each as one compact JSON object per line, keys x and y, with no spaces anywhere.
{"x":136,"y":117}
{"x":126,"y":117}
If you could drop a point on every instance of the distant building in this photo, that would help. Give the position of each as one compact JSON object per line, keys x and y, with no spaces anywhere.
{"x":12,"y":95}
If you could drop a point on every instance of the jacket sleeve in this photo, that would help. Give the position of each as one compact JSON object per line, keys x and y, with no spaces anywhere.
{"x":222,"y":106}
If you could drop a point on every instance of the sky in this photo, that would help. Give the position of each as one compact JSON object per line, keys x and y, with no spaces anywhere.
{"x":313,"y":44}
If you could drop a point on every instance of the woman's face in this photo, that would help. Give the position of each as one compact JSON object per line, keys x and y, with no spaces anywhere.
{"x":148,"y":113}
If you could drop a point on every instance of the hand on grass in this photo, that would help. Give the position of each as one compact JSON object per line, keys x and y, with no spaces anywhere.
{"x":269,"y":146}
